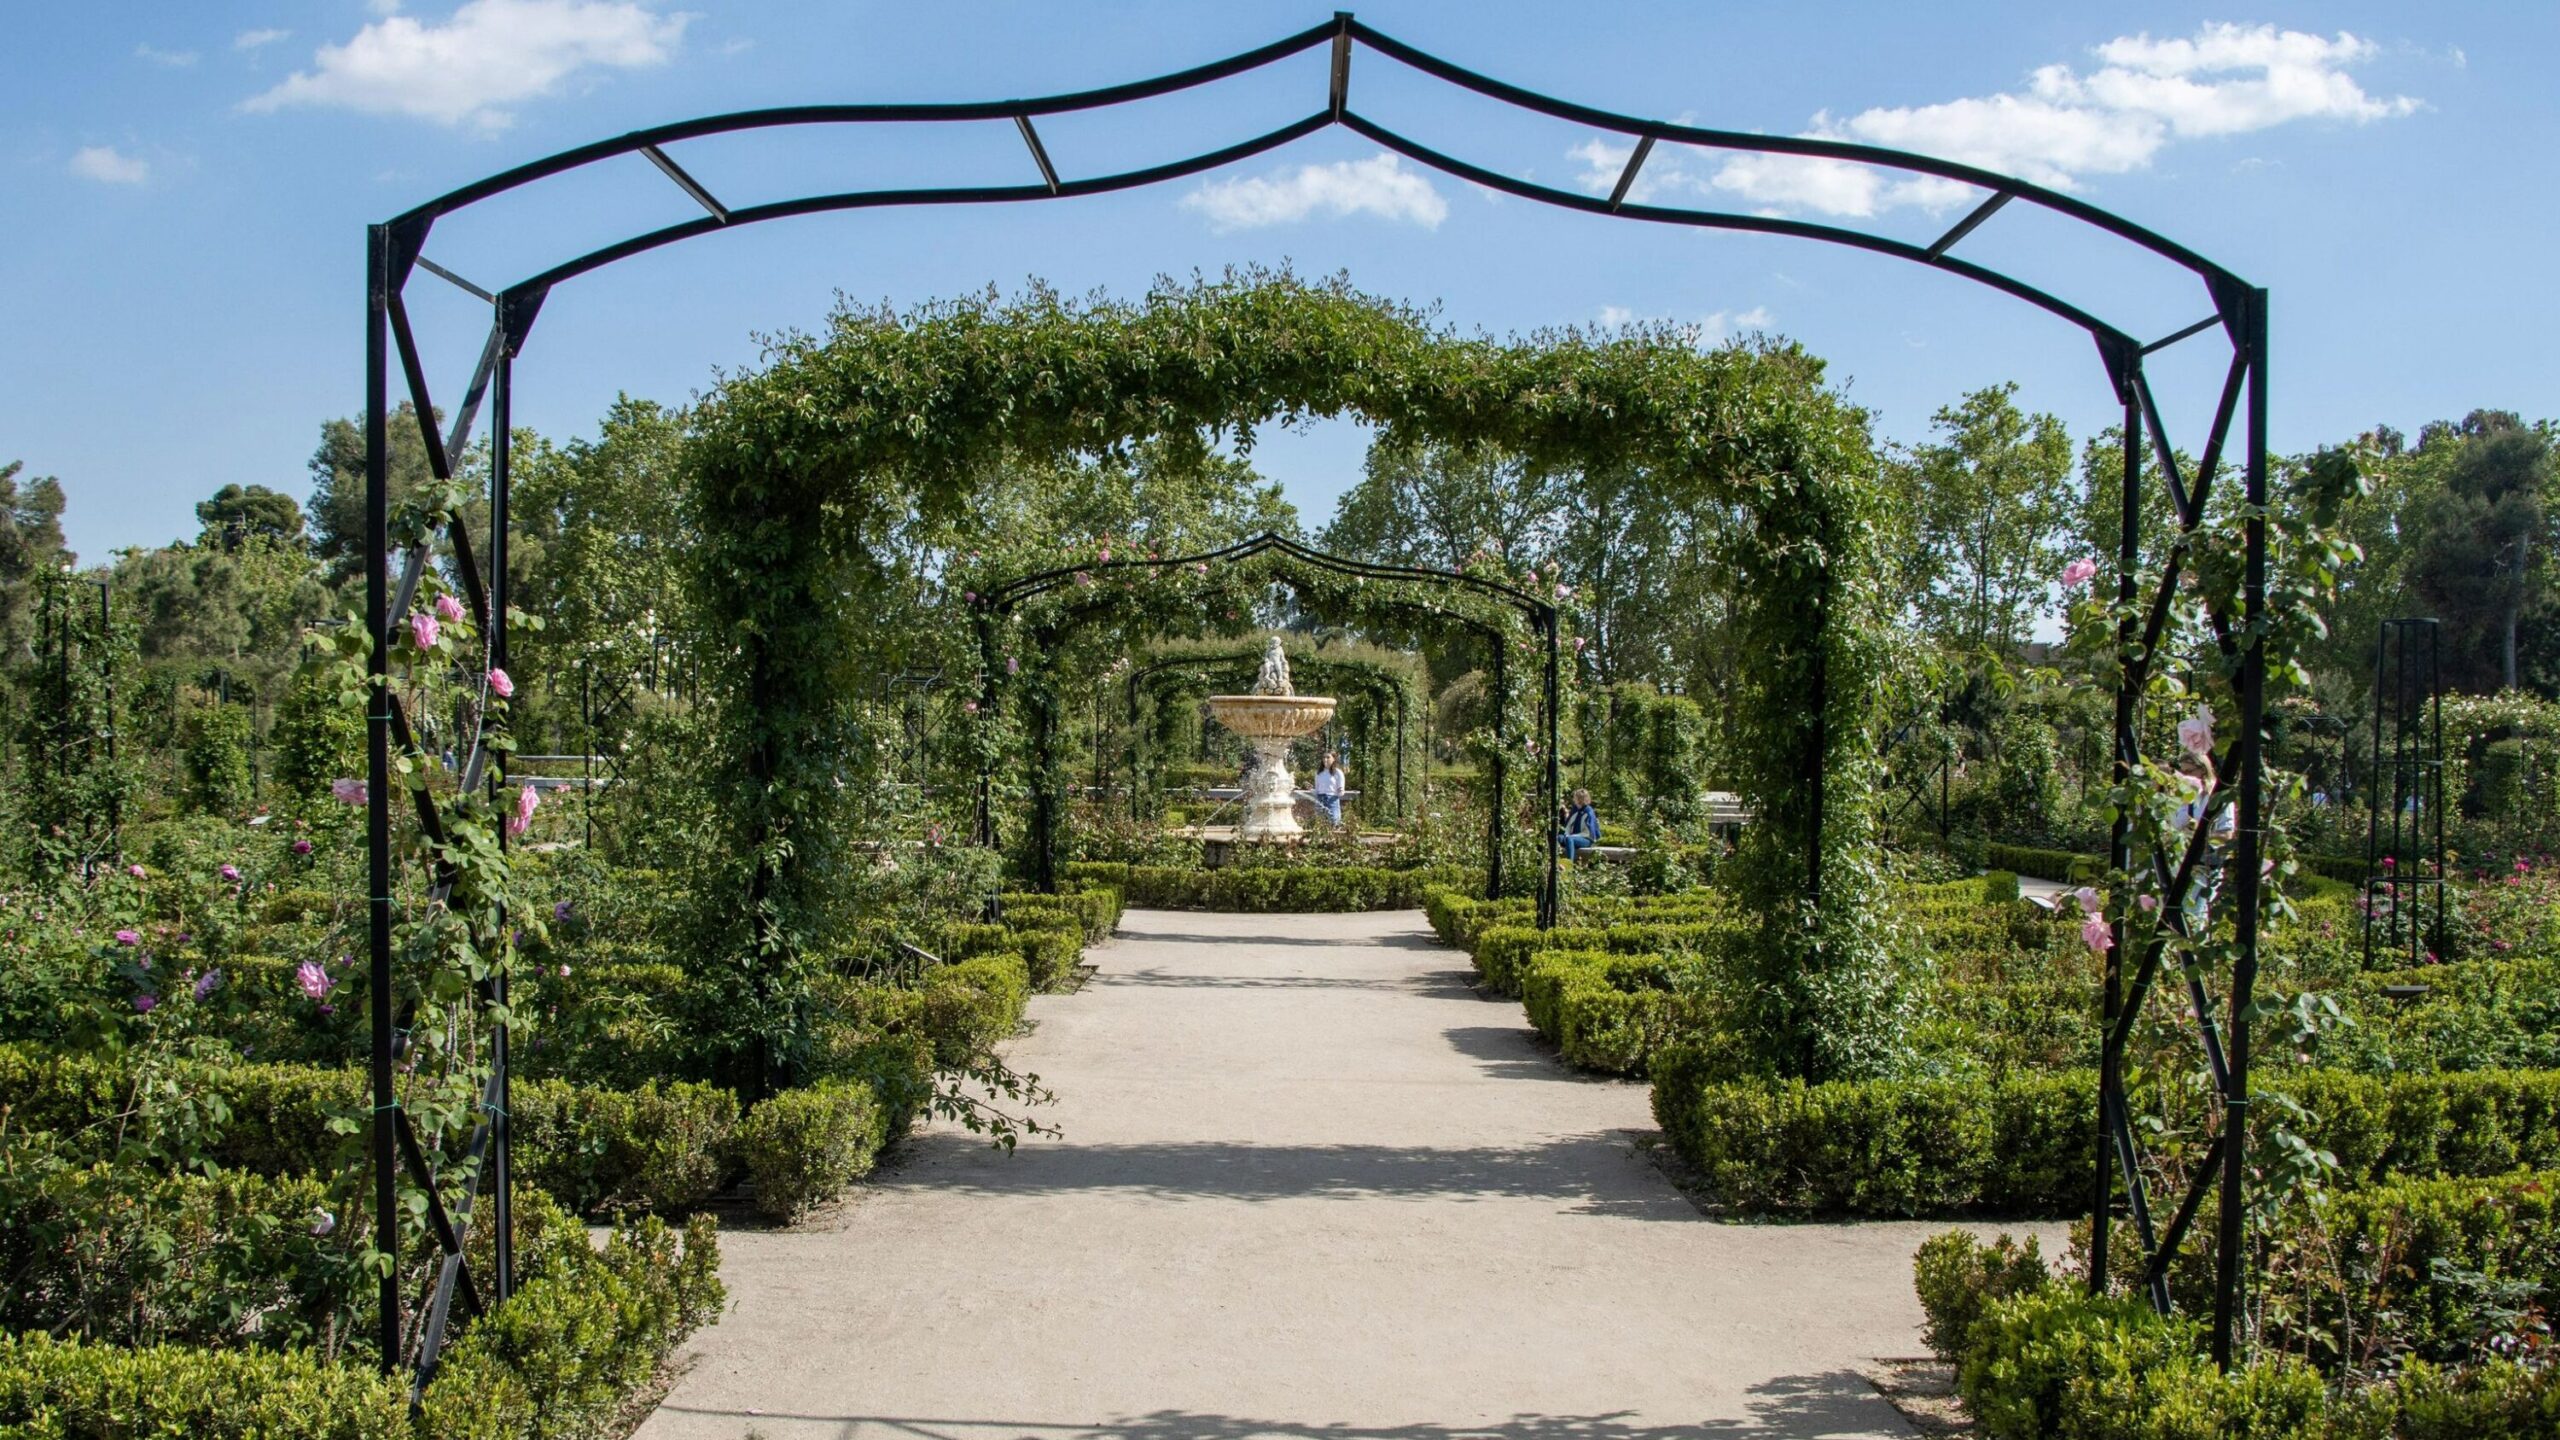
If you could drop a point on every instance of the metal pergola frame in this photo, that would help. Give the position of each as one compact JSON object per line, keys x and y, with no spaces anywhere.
{"x":1541,"y":613}
{"x":395,"y":252}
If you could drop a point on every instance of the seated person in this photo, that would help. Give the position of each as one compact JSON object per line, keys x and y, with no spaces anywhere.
{"x":1581,"y":826}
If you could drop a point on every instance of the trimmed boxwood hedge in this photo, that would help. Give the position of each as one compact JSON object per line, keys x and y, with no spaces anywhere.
{"x":1604,"y":1011}
{"x":1049,"y":954}
{"x":2021,"y":1144}
{"x":804,"y":1146}
{"x":1314,"y":889}
{"x":1092,"y":908}
{"x":2061,"y":865}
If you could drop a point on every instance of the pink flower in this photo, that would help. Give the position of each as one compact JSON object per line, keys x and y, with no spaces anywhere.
{"x":526,"y":802}
{"x":1564,"y":592}
{"x":229,"y":872}
{"x":301,"y":847}
{"x":2148,"y":903}
{"x":136,"y":871}
{"x":2195,"y":733}
{"x":2078,"y":573}
{"x":2090,"y":901}
{"x":1012,"y":666}
{"x":347,"y":791}
{"x":1106,"y":555}
{"x":323,"y":1224}
{"x":969,"y":595}
{"x":970,"y":706}
{"x":1202,"y":567}
{"x":2095,"y":934}
{"x":315,"y":982}
{"x":143,"y":1002}
{"x":564,"y":972}
{"x":448,"y":607}
{"x":128,"y":937}
{"x":1083,"y":578}
{"x":502,"y":684}
{"x":1578,"y":643}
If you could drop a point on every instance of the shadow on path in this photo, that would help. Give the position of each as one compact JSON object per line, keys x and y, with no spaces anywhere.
{"x":1596,"y":1173}
{"x":1833,"y":1403}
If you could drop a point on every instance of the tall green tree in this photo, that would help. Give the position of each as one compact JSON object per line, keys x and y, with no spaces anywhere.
{"x":30,"y":548}
{"x":1986,"y":517}
{"x":337,"y":484}
{"x":1439,"y":505}
{"x":237,"y":514}
{"x":2480,"y":557}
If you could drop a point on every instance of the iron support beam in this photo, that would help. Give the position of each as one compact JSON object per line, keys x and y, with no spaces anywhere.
{"x":1627,"y":177}
{"x":1039,"y":152}
{"x":1966,"y":226}
{"x":377,"y":555}
{"x":666,"y":163}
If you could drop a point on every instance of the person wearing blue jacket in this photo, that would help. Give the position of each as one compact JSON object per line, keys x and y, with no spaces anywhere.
{"x":1581,"y":826}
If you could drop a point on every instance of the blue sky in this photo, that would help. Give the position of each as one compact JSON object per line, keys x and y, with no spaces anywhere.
{"x":189,"y":185}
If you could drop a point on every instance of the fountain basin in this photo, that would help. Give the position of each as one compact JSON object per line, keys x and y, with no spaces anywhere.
{"x":1272,"y":717}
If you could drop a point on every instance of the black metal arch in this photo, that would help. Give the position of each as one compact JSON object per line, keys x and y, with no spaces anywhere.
{"x":1541,"y":613}
{"x":396,"y":250}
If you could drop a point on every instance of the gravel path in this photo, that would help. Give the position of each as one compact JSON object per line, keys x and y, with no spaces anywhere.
{"x":1311,"y":1186}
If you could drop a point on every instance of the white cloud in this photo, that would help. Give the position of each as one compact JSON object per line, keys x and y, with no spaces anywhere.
{"x":256,"y":39}
{"x":2065,"y":126}
{"x":1616,"y":316}
{"x":172,"y":59}
{"x":109,"y":166}
{"x":1379,"y":185}
{"x":489,"y":55}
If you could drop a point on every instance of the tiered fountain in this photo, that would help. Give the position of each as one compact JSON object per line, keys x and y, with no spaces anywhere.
{"x":1269,"y":718}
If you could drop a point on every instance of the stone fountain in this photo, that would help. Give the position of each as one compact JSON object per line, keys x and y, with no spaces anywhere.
{"x":1268,"y":719}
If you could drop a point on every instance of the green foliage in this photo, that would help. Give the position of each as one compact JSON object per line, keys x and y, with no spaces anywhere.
{"x":315,"y":739}
{"x":218,"y":759}
{"x":803,"y":1147}
{"x":1959,"y":1277}
{"x":1259,"y":888}
{"x":55,"y":1389}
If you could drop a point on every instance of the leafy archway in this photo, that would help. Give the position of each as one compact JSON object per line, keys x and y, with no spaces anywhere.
{"x":809,"y":469}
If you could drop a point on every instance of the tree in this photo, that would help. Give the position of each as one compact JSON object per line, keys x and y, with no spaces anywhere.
{"x":1987,"y":511}
{"x":337,"y":484}
{"x":2482,"y":542}
{"x":237,"y":514}
{"x":1437,"y":505}
{"x":30,"y":548}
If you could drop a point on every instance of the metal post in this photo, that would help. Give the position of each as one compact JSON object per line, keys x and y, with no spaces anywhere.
{"x":1501,"y":768}
{"x":1549,"y":891}
{"x":2253,"y":672}
{"x":107,"y":723}
{"x":501,"y":447}
{"x":377,"y":561}
{"x":2119,"y":834}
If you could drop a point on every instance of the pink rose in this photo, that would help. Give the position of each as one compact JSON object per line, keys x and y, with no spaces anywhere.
{"x":347,"y":791}
{"x":502,"y":684}
{"x":315,"y":982}
{"x":2095,"y":934}
{"x":2148,"y":903}
{"x":423,"y":629}
{"x":2195,"y":733}
{"x":2090,"y":902}
{"x":448,"y":607}
{"x":526,"y":803}
{"x":128,"y":937}
{"x":136,"y":871}
{"x":2078,"y":573}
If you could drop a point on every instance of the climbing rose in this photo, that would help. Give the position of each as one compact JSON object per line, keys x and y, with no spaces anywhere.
{"x":448,"y":607}
{"x":526,"y":802}
{"x":423,"y":629}
{"x":315,"y":982}
{"x":2148,"y":903}
{"x":1578,"y":643}
{"x":2078,"y":573}
{"x":128,"y":937}
{"x":500,"y":683}
{"x":2095,"y":934}
{"x":2195,"y":732}
{"x":2088,"y":899}
{"x":346,"y":791}
{"x":969,"y":705}
{"x":301,"y":847}
{"x":1012,"y":666}
{"x":324,"y":1224}
{"x":1106,"y":555}
{"x":136,"y":871}
{"x":229,"y":872}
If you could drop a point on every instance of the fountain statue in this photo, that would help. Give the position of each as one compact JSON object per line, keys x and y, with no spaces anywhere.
{"x":1268,"y":719}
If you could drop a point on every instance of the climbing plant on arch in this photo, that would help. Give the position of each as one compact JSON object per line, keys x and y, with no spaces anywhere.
{"x":1146,"y":595}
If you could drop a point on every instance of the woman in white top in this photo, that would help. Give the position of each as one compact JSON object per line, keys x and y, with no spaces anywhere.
{"x":1328,"y":788}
